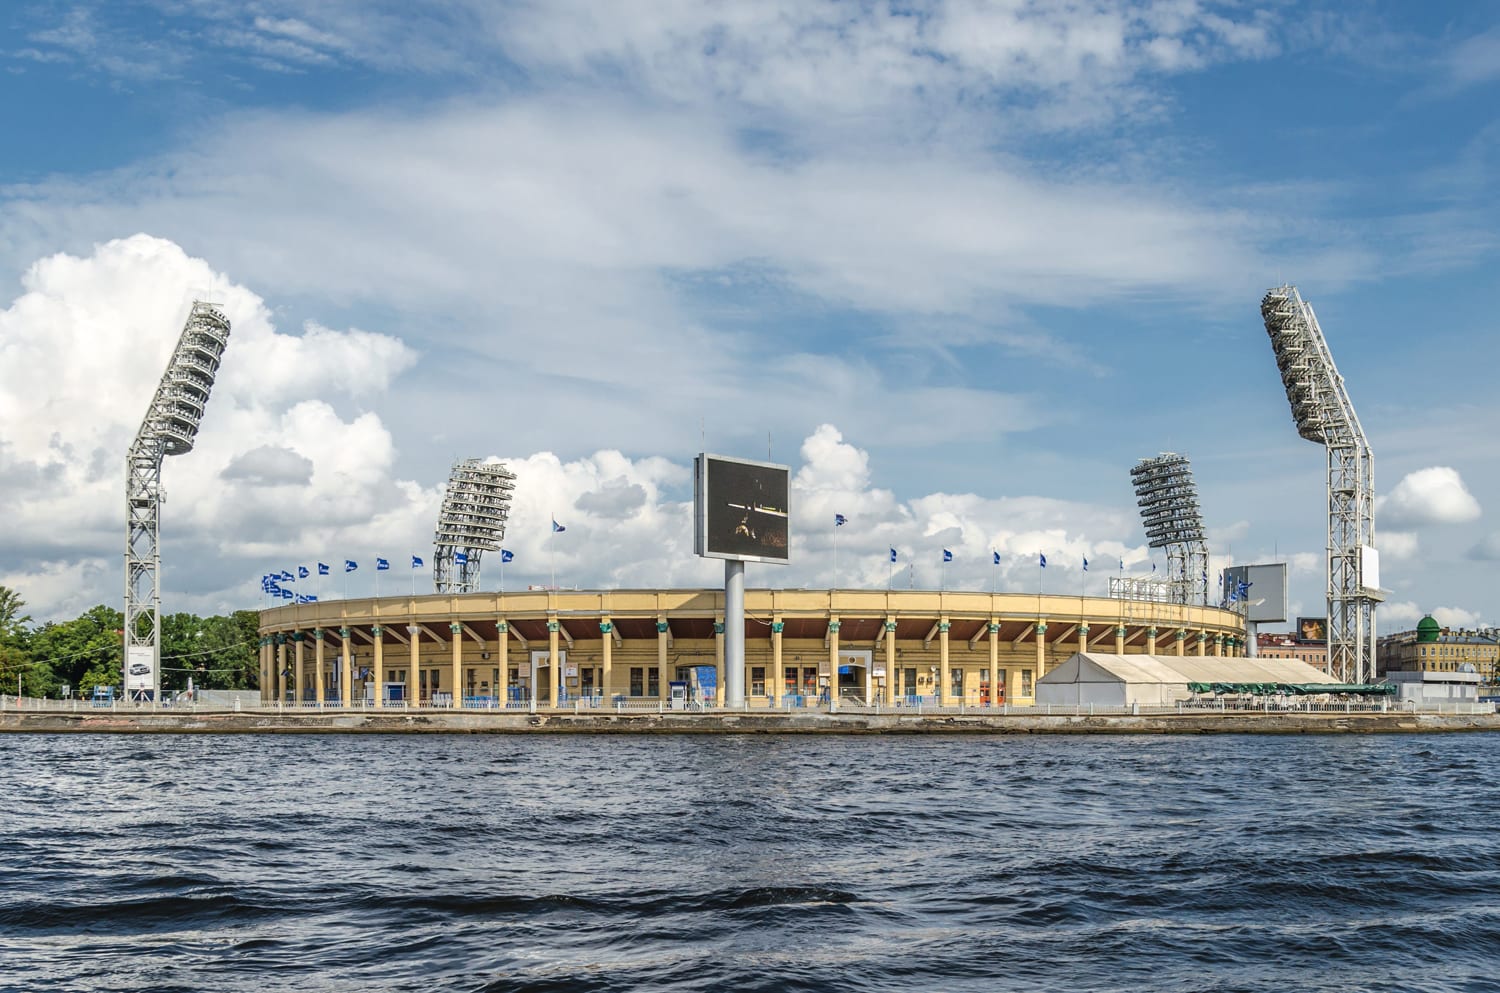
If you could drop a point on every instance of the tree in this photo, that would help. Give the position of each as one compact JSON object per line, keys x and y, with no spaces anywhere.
{"x":84,"y":652}
{"x":12,"y":621}
{"x":15,"y":660}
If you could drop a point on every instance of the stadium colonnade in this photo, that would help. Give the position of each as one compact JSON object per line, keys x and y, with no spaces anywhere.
{"x":619,"y":647}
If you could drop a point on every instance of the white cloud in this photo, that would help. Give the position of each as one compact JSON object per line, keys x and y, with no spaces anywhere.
{"x":1398,"y":615}
{"x":1488,"y":549}
{"x":1436,"y":495}
{"x":81,"y":351}
{"x":1397,"y":544}
{"x":1456,"y":617}
{"x":275,"y":481}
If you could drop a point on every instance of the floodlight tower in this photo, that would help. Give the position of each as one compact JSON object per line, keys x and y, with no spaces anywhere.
{"x":1324,"y":414}
{"x":169,"y":428}
{"x":1168,"y":499}
{"x":472,"y":521}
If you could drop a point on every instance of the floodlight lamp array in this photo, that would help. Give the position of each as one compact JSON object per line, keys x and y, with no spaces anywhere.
{"x":476,"y":506}
{"x":1290,"y":325}
{"x":171,"y":424}
{"x":1168,"y":499}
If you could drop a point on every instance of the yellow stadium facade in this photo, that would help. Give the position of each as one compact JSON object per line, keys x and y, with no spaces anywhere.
{"x":641,"y":648}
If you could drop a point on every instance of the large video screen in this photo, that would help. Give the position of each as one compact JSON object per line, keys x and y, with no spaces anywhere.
{"x":1311,"y":629}
{"x":1264,"y":598}
{"x":740,"y":509}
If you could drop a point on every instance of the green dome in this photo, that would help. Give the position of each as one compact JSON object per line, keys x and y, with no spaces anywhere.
{"x":1428,"y":629}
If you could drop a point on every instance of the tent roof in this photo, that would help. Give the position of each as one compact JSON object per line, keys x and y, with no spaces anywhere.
{"x":1098,"y":667}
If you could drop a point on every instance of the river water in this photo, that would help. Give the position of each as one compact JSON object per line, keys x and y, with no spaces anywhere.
{"x":593,"y":863}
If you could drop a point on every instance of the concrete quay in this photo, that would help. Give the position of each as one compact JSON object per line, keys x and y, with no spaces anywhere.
{"x":800,"y":722}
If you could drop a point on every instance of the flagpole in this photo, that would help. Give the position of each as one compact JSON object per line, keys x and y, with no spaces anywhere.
{"x":835,"y":551}
{"x":552,"y":550}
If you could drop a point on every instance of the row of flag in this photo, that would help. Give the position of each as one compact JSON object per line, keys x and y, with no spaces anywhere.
{"x":271,"y":582}
{"x":839,"y":520}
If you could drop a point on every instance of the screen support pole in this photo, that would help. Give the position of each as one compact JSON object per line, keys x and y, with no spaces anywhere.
{"x":734,"y":634}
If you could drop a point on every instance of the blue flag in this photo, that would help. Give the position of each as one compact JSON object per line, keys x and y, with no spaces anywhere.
{"x":302,"y":572}
{"x":839,"y":520}
{"x":416,"y":563}
{"x":462,"y":558}
{"x":1085,"y":563}
{"x":322,"y":569}
{"x":893,"y":555}
{"x":1044,"y":561}
{"x":947,"y":555}
{"x":287,"y":594}
{"x":287,"y":576}
{"x":997,"y":558}
{"x":350,"y":565}
{"x":556,"y":526}
{"x":307,"y":598}
{"x":1122,"y":565}
{"x":506,"y":555}
{"x":381,"y":565}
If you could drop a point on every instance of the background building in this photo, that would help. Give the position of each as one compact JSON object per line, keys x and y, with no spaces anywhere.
{"x":1280,"y":645}
{"x":1434,"y":648}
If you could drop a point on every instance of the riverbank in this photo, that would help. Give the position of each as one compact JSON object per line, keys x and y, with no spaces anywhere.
{"x":802,"y":722}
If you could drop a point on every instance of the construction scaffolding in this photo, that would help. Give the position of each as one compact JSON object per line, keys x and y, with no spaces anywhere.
{"x":169,"y":428}
{"x":471,"y":522}
{"x":1323,"y":413}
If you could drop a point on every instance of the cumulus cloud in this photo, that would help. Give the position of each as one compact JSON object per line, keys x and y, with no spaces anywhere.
{"x":269,"y":465}
{"x":1397,"y":615}
{"x":1397,"y":544}
{"x":1436,"y":495}
{"x":1488,"y":549}
{"x":81,"y":351}
{"x":1456,"y":617}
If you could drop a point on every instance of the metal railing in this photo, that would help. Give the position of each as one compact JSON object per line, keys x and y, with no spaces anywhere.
{"x":917,"y":707}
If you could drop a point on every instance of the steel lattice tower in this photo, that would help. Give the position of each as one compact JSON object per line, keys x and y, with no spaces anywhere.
{"x":169,"y":428}
{"x":1168,"y":499}
{"x":472,"y":521}
{"x":1323,"y":413}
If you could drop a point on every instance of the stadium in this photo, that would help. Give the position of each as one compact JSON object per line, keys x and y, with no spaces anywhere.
{"x":623,"y":649}
{"x":464,"y":648}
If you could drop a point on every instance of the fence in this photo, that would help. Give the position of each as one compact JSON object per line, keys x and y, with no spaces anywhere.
{"x":650,"y":705}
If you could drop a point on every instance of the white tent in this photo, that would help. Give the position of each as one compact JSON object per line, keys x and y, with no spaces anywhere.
{"x":1158,"y":680}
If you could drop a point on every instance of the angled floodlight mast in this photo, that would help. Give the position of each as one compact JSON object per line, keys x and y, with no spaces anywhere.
{"x":471,"y":522}
{"x":169,"y":428}
{"x":1168,"y":499}
{"x":1324,"y":414}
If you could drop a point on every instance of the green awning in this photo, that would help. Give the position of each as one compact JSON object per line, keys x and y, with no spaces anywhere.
{"x":1295,"y":689}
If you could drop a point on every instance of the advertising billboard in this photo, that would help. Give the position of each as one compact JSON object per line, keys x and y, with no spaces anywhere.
{"x":1264,"y":590}
{"x":140,"y":668}
{"x":1311,"y":629}
{"x":740,"y":509}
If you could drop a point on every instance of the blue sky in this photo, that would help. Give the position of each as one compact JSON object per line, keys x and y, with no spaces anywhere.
{"x":962,"y":262}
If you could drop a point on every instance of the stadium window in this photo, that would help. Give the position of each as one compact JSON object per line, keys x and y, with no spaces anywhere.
{"x":757,"y":680}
